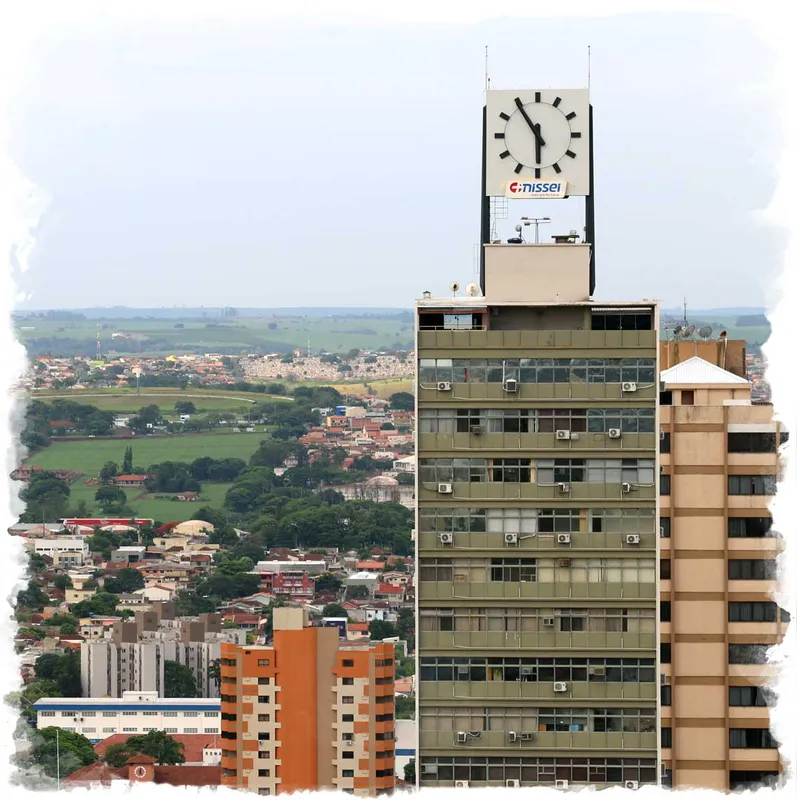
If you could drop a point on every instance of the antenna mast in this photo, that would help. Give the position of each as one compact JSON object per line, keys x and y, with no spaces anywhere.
{"x":486,"y":69}
{"x":589,"y":66}
{"x":99,"y":343}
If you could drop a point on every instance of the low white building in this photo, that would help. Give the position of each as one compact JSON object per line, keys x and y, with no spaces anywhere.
{"x":406,"y":464}
{"x":310,"y":567}
{"x":406,"y":743}
{"x":135,"y":713}
{"x":64,"y":552}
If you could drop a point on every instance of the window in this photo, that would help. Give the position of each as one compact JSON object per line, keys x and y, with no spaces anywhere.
{"x":264,"y":717}
{"x":665,"y":611}
{"x":551,"y":471}
{"x":627,"y":420}
{"x":47,"y":713}
{"x":513,"y":570}
{"x":110,"y":730}
{"x":751,"y":443}
{"x":263,"y":736}
{"x":347,"y":700}
{"x":263,"y":662}
{"x":211,"y":713}
{"x":263,"y":681}
{"x":752,"y":779}
{"x":747,"y":696}
{"x":752,"y":739}
{"x":665,"y":569}
{"x":750,"y":527}
{"x":665,"y":653}
{"x":347,"y":718}
{"x":191,"y":730}
{"x":511,"y":470}
{"x":170,"y":730}
{"x":616,"y":321}
{"x":129,"y":730}
{"x":752,"y":484}
{"x":171,"y":713}
{"x":748,"y":653}
{"x":664,"y":485}
{"x":752,"y":612}
{"x":626,"y":470}
{"x":348,"y":754}
{"x":348,"y":662}
{"x":687,"y":397}
{"x":348,"y":773}
{"x":211,"y":730}
{"x":190,"y":713}
{"x":264,"y":773}
{"x":664,"y":527}
{"x":666,"y":737}
{"x":348,"y":681}
{"x":666,"y":695}
{"x":664,"y":442}
{"x":752,"y":569}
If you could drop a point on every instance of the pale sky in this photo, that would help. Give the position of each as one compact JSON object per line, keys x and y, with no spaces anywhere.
{"x":269,"y":164}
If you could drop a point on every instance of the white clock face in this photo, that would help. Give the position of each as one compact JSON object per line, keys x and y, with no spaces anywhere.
{"x":538,"y":135}
{"x":140,"y":772}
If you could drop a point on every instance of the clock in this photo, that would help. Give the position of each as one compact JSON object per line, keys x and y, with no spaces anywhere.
{"x":140,"y":772}
{"x":538,"y":135}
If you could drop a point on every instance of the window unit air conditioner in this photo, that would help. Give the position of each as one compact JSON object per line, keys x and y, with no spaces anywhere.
{"x":477,"y":430}
{"x":444,"y":386}
{"x":631,"y":784}
{"x":664,"y":679}
{"x":510,"y":538}
{"x":461,"y":784}
{"x":510,"y":385}
{"x":661,"y":434}
{"x":512,"y":783}
{"x":563,"y":538}
{"x":512,"y":736}
{"x":547,"y":622}
{"x":626,"y":488}
{"x":446,"y":538}
{"x":563,"y":487}
{"x":562,"y":784}
{"x":563,"y":434}
{"x":597,"y":671}
{"x":559,"y":687}
{"x":563,"y":562}
{"x":615,"y":433}
{"x":628,"y":386}
{"x":527,"y":737}
{"x":445,"y":488}
{"x":633,"y":538}
{"x":662,"y":532}
{"x":527,"y":671}
{"x":462,"y":737}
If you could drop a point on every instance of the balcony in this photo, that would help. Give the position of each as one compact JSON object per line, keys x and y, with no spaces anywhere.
{"x":532,"y":590}
{"x":546,"y":344}
{"x":535,"y":691}
{"x":586,"y":492}
{"x":536,"y":640}
{"x":541,"y":740}
{"x":586,"y":445}
{"x":580,"y":543}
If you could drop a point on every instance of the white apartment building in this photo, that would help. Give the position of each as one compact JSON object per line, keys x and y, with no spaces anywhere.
{"x":108,"y":669}
{"x":135,"y":713}
{"x":310,"y":567}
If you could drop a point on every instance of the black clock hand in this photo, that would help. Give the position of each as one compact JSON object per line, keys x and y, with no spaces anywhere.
{"x":538,"y":140}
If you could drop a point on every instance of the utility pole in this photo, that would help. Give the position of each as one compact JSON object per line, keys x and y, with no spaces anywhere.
{"x":57,"y":762}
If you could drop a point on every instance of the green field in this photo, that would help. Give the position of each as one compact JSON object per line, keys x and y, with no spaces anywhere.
{"x":89,"y":456}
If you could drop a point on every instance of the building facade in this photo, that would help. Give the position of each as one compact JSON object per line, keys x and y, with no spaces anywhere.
{"x":135,"y":713}
{"x":719,"y":460}
{"x":308,"y":713}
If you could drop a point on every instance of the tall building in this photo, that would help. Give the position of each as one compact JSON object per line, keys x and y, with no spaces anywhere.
{"x":537,"y":541}
{"x":308,"y":713}
{"x":719,"y":465}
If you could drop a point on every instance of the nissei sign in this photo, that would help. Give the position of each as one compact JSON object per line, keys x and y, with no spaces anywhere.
{"x":536,"y":190}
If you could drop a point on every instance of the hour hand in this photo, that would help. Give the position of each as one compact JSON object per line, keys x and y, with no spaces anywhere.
{"x":535,"y":128}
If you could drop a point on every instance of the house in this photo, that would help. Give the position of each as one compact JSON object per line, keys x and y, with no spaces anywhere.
{"x":133,"y":481}
{"x":199,"y":749}
{"x":189,"y":497}
{"x":386,"y":591}
{"x":156,"y":593}
{"x":132,"y":554}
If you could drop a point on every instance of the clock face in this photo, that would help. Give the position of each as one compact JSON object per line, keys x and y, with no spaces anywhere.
{"x":140,"y":772}
{"x":538,"y":135}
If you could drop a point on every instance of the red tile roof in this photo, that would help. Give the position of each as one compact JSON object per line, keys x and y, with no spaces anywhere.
{"x":193,"y":744}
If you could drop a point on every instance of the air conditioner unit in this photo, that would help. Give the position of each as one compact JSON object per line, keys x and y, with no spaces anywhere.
{"x":563,"y":562}
{"x":462,"y":737}
{"x":446,"y":538}
{"x":512,"y":783}
{"x":559,"y":687}
{"x":631,"y":784}
{"x":633,"y":538}
{"x":626,"y":488}
{"x":510,"y":385}
{"x":563,"y":487}
{"x":662,"y":532}
{"x":347,"y":743}
{"x":527,"y":737}
{"x":444,"y":386}
{"x":547,"y":622}
{"x":597,"y":671}
{"x":445,"y":488}
{"x":562,"y":784}
{"x":527,"y":671}
{"x":563,"y":434}
{"x":615,"y":433}
{"x":563,"y":538}
{"x":661,"y":434}
{"x":512,"y":736}
{"x":664,"y":679}
{"x":477,"y":430}
{"x":510,"y":538}
{"x":461,"y":784}
{"x":628,"y":386}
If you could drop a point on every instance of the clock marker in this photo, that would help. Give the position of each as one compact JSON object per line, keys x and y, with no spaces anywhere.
{"x":570,"y":153}
{"x":502,"y":135}
{"x":557,"y":169}
{"x":571,"y":115}
{"x":556,"y":102}
{"x":536,"y":97}
{"x":504,"y":154}
{"x":537,"y":172}
{"x":575,"y":135}
{"x":518,"y":168}
{"x":503,"y":115}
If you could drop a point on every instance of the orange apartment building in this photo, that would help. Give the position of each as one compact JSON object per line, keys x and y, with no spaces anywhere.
{"x":719,"y":470}
{"x":308,"y":713}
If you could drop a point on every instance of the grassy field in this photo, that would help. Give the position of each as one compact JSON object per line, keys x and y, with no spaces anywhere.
{"x":383,"y":388}
{"x":88,"y":457}
{"x":122,"y":400}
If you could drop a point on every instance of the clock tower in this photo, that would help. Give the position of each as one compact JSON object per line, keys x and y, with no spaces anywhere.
{"x":538,"y":145}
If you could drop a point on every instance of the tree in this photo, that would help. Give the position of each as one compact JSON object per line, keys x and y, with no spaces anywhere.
{"x":156,"y":744}
{"x":67,"y":629}
{"x":409,"y":771}
{"x":405,"y":479}
{"x":402,"y":401}
{"x":110,"y":497}
{"x":334,"y":610}
{"x":405,"y":707}
{"x":67,"y":674}
{"x":381,"y":629}
{"x":58,"y":752}
{"x":178,"y":680}
{"x":36,"y":563}
{"x":45,"y":666}
{"x":328,"y":583}
{"x":108,"y":472}
{"x":353,"y":592}
{"x":214,"y":671}
{"x":185,"y":407}
{"x":125,"y":581}
{"x":62,"y":581}
{"x":33,"y":597}
{"x":127,"y":461}
{"x":45,"y":497}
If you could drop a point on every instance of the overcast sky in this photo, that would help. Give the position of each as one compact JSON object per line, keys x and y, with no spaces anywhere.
{"x":271,"y":164}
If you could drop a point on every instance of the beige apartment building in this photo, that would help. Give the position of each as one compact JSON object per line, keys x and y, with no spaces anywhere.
{"x":719,"y":468}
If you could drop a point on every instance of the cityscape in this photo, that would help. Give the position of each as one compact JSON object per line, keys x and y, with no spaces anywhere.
{"x":514,"y":545}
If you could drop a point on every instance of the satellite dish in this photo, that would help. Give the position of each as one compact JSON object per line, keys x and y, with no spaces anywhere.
{"x":676,"y":332}
{"x":705,"y":331}
{"x":454,"y":286}
{"x":689,"y":331}
{"x":473,"y":290}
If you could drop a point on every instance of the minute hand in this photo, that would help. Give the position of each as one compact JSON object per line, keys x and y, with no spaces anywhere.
{"x":539,"y":141}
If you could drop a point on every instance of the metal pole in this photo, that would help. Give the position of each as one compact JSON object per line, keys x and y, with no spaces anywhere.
{"x":57,"y":761}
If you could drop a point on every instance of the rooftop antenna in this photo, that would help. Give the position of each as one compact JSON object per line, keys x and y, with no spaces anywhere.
{"x":686,"y":319}
{"x":99,"y":343}
{"x":486,"y":69}
{"x":589,"y":66}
